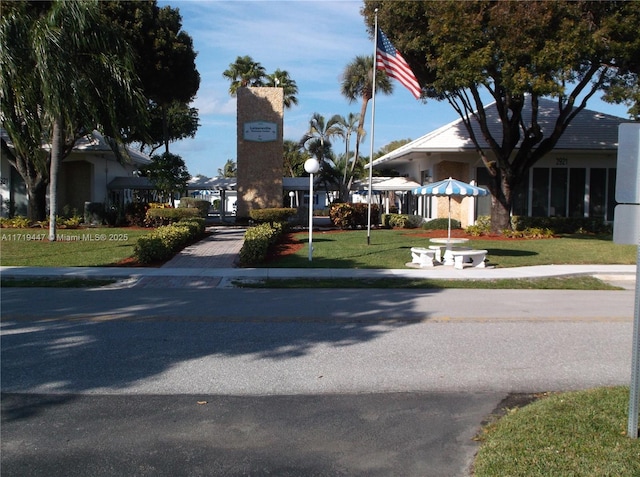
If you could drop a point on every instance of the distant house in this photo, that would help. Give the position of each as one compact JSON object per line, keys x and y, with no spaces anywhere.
{"x":576,"y":179}
{"x":84,"y":176}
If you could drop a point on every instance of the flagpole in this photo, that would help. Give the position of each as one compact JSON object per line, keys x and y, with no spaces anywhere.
{"x":373,"y":118}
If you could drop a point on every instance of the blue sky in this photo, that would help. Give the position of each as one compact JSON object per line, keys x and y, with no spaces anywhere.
{"x":313,"y":41}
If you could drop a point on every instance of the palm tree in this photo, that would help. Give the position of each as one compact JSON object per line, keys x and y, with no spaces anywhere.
{"x":318,"y":139}
{"x":348,"y":126}
{"x":293,"y":159}
{"x":357,"y":82}
{"x":244,"y":72}
{"x":85,"y":77}
{"x":229,"y":170}
{"x":281,"y":78}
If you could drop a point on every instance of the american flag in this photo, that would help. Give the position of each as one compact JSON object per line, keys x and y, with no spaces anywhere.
{"x":391,"y":61}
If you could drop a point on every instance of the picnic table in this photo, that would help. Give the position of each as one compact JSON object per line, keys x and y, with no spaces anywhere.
{"x":447,"y":258}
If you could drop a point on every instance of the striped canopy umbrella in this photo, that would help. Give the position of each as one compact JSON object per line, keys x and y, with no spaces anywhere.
{"x":448,"y":188}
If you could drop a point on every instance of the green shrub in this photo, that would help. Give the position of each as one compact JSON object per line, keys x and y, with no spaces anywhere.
{"x":530,"y":233}
{"x":195,"y":224}
{"x":272,"y":215}
{"x":135,"y":213}
{"x":404,"y":221}
{"x":166,"y":240}
{"x":69,"y":223}
{"x":562,"y":225}
{"x":257,"y":241}
{"x":348,"y":215}
{"x":150,"y":248}
{"x":481,"y":227}
{"x":191,"y":203}
{"x":15,"y":222}
{"x":441,"y":224}
{"x":158,"y":217}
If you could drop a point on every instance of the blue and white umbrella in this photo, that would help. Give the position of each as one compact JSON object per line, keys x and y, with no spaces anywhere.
{"x":448,"y":188}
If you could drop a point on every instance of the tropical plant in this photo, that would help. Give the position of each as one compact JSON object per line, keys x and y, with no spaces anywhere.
{"x":84,"y":79}
{"x":516,"y":52}
{"x":348,"y":126}
{"x":357,"y":82}
{"x":244,"y":72}
{"x":230,"y":169}
{"x":281,"y":78}
{"x":293,"y":159}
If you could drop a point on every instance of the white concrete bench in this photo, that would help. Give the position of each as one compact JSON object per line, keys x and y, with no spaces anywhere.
{"x":422,"y":256}
{"x":474,"y":258}
{"x":441,"y":251}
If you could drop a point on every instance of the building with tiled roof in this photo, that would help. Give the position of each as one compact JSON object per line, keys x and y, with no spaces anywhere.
{"x":576,"y":179}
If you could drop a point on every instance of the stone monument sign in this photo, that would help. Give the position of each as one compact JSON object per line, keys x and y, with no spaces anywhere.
{"x":260,"y":148}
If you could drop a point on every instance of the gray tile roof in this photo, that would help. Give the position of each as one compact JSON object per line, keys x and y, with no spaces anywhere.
{"x":589,"y":130}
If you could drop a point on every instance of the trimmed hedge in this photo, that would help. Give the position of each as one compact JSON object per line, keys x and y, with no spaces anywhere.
{"x":441,"y":224}
{"x":191,"y":203}
{"x":348,"y":215}
{"x":562,"y":225}
{"x":160,"y":217}
{"x":165,"y":241}
{"x":402,"y":221}
{"x":257,"y":241}
{"x":272,"y":215}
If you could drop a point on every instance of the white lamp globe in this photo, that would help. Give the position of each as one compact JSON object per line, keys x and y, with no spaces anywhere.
{"x":312,"y":165}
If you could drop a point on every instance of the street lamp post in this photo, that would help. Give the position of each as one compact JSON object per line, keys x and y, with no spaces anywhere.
{"x":312,"y":166}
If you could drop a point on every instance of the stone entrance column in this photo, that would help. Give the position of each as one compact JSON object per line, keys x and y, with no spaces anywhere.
{"x":260,"y":149}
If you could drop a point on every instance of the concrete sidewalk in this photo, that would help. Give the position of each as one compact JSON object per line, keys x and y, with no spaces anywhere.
{"x":213,"y":261}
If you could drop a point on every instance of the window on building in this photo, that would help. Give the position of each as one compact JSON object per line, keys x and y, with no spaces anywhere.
{"x":577,"y":182}
{"x":540,"y":192}
{"x":598,"y":193}
{"x":558,"y":192}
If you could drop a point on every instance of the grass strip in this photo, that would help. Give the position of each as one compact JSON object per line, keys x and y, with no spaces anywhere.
{"x":55,"y":282}
{"x":553,"y":283}
{"x":579,"y":433}
{"x":392,"y":249}
{"x":94,"y":247}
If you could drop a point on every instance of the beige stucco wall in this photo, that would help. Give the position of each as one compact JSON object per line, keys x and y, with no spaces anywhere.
{"x":259,"y":163}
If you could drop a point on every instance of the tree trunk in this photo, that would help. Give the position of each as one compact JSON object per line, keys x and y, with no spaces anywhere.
{"x":57,"y":144}
{"x":501,"y":202}
{"x":37,"y":198}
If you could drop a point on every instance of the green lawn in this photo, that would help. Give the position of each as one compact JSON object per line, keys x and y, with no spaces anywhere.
{"x":93,"y":247}
{"x":391,"y":249}
{"x":569,"y":434}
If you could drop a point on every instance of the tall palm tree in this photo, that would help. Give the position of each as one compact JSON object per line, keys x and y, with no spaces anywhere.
{"x":85,"y":77}
{"x":357,"y":82}
{"x":281,"y":78}
{"x":348,"y":125}
{"x":318,"y":139}
{"x":244,"y":72}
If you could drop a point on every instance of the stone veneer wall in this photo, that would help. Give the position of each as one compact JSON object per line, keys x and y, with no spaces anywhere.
{"x":259,"y":164}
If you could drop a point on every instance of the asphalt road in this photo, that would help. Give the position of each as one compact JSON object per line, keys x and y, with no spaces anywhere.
{"x":286,"y":382}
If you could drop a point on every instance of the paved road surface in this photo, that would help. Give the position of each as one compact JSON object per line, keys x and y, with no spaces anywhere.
{"x":295,"y":382}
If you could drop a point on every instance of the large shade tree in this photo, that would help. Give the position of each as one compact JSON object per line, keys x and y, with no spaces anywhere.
{"x":515,"y":52}
{"x":166,"y":64}
{"x":64,"y":72}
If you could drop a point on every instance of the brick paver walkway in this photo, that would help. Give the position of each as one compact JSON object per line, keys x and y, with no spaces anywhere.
{"x":218,"y":250}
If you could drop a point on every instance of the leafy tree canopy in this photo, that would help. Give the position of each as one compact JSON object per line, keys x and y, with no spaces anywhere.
{"x":516,"y":52}
{"x":168,"y":173}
